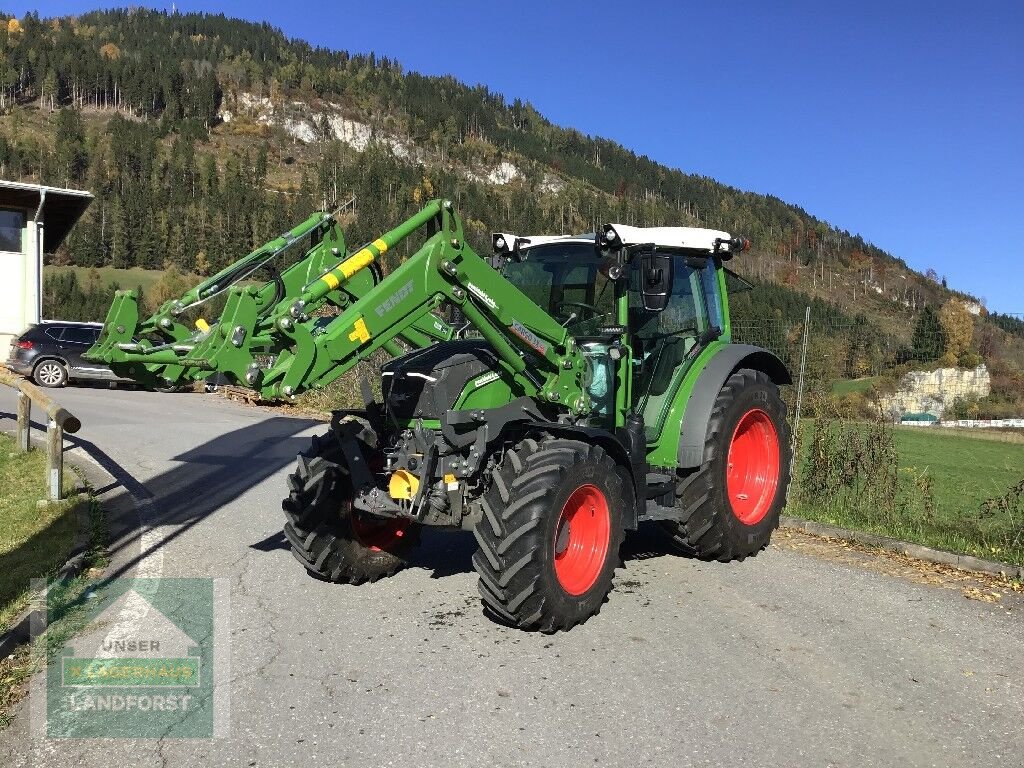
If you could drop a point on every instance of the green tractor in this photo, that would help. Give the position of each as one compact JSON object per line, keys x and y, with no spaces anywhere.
{"x":548,"y":397}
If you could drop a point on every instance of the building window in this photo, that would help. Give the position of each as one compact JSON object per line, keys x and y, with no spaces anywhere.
{"x":12,"y":226}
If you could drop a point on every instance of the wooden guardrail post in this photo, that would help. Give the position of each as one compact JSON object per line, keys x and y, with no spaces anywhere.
{"x":59,"y":421}
{"x":24,"y":421}
{"x":54,"y":460}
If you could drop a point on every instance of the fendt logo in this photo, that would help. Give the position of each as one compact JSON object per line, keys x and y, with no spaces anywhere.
{"x":487,"y":378}
{"x":393,"y":301}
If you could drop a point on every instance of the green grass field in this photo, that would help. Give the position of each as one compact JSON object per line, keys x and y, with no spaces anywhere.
{"x":963,"y":471}
{"x":126,"y":278}
{"x":850,"y":386}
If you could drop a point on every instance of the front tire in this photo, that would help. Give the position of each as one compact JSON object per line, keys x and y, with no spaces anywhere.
{"x":327,"y":536}
{"x":550,"y":535}
{"x":732,"y":503}
{"x":50,"y":373}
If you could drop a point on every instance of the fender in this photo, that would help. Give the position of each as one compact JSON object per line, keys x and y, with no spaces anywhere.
{"x":607,"y":441}
{"x":521,"y":417}
{"x":709,"y":383}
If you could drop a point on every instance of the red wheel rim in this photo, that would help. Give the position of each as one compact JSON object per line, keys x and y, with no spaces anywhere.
{"x":752,"y":476}
{"x":380,"y":535}
{"x":582,"y":535}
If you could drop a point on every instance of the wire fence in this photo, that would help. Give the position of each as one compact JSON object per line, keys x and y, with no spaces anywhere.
{"x":964,"y":372}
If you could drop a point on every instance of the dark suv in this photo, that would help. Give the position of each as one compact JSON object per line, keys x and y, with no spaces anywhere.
{"x":51,"y":353}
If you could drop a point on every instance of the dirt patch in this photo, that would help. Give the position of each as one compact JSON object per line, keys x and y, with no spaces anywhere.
{"x":994,"y":589}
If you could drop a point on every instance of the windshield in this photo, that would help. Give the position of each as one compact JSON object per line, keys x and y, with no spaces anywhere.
{"x":566,"y":281}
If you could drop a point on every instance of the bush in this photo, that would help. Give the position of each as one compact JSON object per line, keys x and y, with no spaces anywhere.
{"x":851,"y":470}
{"x":345,"y":391}
{"x":1002,"y":522}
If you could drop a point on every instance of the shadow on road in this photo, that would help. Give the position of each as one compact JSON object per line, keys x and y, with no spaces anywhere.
{"x":208,"y":477}
{"x":222,"y":469}
{"x":448,"y":553}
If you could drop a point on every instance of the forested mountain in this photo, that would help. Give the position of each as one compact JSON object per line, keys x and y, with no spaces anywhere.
{"x":202,"y":135}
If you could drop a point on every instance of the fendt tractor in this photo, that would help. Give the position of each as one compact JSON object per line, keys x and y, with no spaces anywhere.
{"x":549,"y":397}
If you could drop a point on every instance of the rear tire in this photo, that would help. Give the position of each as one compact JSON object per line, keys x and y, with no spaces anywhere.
{"x":731,"y":504}
{"x":329,"y":538}
{"x":550,"y":535}
{"x":50,"y":373}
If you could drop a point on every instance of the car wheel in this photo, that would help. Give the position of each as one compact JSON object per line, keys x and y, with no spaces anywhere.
{"x":50,"y":373}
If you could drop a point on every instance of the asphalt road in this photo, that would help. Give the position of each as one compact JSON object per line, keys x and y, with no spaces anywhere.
{"x":787,"y":659}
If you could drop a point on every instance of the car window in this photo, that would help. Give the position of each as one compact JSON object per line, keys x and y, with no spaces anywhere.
{"x":78,"y":335}
{"x":53,"y":333}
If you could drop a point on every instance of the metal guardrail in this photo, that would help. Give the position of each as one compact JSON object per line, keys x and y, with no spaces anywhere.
{"x":59,"y":421}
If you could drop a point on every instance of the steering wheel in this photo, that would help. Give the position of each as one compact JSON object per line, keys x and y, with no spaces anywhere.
{"x":590,"y":308}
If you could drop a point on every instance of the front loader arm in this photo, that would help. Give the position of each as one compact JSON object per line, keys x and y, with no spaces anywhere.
{"x":310,"y":352}
{"x":444,"y":270}
{"x":162,"y":349}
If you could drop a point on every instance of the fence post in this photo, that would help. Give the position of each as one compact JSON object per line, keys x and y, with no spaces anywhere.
{"x":800,"y":383}
{"x":55,"y":460}
{"x":24,"y":421}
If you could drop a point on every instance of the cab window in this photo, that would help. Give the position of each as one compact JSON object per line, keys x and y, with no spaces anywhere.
{"x":566,"y":281}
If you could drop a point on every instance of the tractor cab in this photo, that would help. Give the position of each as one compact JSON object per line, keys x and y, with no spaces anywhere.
{"x":642,"y":302}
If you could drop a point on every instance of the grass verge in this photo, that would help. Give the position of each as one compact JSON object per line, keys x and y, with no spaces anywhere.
{"x":35,"y":543}
{"x":65,"y":607}
{"x":948,"y":491}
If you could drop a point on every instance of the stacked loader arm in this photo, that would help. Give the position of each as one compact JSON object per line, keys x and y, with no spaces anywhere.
{"x":279,"y":321}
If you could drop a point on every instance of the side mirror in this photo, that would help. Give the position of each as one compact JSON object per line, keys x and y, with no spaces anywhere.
{"x":655,"y":280}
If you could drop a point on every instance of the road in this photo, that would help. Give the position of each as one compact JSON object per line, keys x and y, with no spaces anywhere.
{"x":787,"y":659}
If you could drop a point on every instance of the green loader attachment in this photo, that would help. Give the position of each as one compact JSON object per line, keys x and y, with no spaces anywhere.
{"x":549,"y":397}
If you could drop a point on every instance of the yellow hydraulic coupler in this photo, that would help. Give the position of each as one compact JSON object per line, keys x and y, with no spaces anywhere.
{"x":403,"y":485}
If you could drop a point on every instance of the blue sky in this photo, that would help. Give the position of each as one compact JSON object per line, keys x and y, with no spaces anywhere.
{"x":901,"y":121}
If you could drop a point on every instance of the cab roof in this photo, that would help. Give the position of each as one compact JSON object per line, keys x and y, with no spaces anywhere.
{"x":695,"y":238}
{"x":620,"y":235}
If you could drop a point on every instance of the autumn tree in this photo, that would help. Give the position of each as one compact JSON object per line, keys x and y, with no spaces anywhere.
{"x":172,"y":284}
{"x":202,"y":264}
{"x":958,"y":328}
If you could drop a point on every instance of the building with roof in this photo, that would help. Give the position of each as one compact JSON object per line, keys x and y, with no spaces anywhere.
{"x":34,"y":219}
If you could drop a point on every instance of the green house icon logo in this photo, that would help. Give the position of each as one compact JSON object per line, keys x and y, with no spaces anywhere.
{"x":131,"y":644}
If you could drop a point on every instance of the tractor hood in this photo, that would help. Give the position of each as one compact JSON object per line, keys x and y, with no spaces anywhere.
{"x":426,"y":383}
